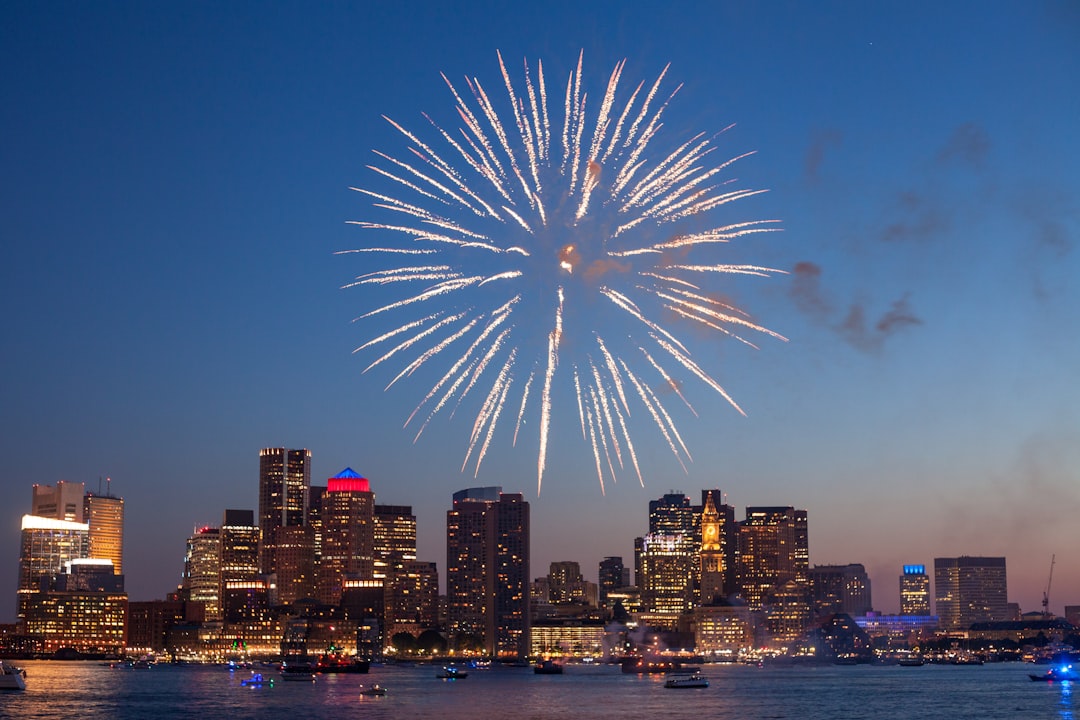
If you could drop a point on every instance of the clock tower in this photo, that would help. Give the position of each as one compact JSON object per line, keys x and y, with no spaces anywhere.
{"x":711,"y":554}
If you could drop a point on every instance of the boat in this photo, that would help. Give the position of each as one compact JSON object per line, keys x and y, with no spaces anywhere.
{"x":11,"y":677}
{"x":654,"y":665}
{"x":548,"y":667}
{"x":257,"y":680}
{"x":338,"y":663}
{"x":693,"y":680}
{"x":375,"y":690}
{"x":1058,"y":673}
{"x":911,"y":661}
{"x":451,"y":673}
{"x":299,"y":672}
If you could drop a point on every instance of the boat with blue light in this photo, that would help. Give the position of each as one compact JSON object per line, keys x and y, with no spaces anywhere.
{"x":1058,"y":673}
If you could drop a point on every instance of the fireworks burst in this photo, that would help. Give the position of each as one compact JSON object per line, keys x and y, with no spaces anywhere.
{"x":546,"y":249}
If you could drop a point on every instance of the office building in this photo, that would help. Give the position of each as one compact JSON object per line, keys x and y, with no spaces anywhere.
{"x":63,"y":502}
{"x":46,"y":546}
{"x":840,"y":589}
{"x":294,"y":563}
{"x":104,"y":513}
{"x":969,"y":590}
{"x":284,"y":478}
{"x":915,"y":591}
{"x":201,"y":581}
{"x":487,"y":571}
{"x":348,"y":534}
{"x":773,"y":549}
{"x":668,"y":557}
{"x":83,"y":608}
{"x":612,"y":576}
{"x":239,"y":567}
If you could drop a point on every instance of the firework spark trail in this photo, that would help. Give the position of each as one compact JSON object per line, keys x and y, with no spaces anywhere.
{"x":521,"y":412}
{"x":490,"y":202}
{"x":554,"y":338}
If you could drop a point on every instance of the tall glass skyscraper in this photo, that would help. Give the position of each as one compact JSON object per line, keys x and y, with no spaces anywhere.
{"x":284,"y":478}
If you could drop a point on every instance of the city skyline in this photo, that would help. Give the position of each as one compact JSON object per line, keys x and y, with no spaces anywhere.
{"x":176,"y":183}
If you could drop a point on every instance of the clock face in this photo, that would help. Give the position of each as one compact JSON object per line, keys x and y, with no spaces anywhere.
{"x":710,"y":531}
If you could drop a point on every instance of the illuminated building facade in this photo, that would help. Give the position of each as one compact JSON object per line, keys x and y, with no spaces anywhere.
{"x":915,"y":591}
{"x":412,"y":599}
{"x":612,"y":576}
{"x":667,"y":570}
{"x":294,"y":562}
{"x":105,"y":516}
{"x":773,"y":549}
{"x":284,"y":478}
{"x":712,"y":567}
{"x":395,"y":560}
{"x":201,"y":581}
{"x":239,"y":559}
{"x":487,"y":570}
{"x":576,"y":638}
{"x":83,"y":608}
{"x":840,"y":589}
{"x":722,"y":629}
{"x":46,"y":546}
{"x":563,"y":579}
{"x":348,"y":534}
{"x":969,"y":590}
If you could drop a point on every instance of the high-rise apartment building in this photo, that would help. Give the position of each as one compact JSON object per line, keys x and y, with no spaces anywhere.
{"x":394,"y":539}
{"x":348,"y":534}
{"x":915,"y":591}
{"x":487,"y":570}
{"x":969,"y":590}
{"x":201,"y":581}
{"x":104,"y":513}
{"x":284,"y":478}
{"x":564,"y":578}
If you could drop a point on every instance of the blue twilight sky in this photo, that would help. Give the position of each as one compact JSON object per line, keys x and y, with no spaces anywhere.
{"x":175,"y":183}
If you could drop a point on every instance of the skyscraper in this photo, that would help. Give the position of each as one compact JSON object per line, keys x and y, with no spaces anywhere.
{"x":348,"y":534}
{"x":915,"y":591}
{"x":487,"y":570}
{"x":284,"y":478}
{"x":773,"y":550}
{"x":47,"y":545}
{"x":105,"y":516}
{"x":667,"y":558}
{"x":201,"y":581}
{"x":239,"y":560}
{"x":63,"y":502}
{"x":969,"y":590}
{"x":394,"y":556}
{"x":612,"y":575}
{"x":840,"y":589}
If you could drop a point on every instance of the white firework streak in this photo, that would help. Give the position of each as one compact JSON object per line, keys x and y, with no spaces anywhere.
{"x":486,"y":200}
{"x":521,"y":412}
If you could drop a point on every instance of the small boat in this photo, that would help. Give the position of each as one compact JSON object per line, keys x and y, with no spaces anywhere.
{"x":694,"y":680}
{"x":11,"y":677}
{"x":375,"y":690}
{"x":913,"y":661}
{"x":299,"y":672}
{"x":1059,"y":673}
{"x":548,"y":667}
{"x":257,"y":680}
{"x":338,"y":663}
{"x":451,"y":673}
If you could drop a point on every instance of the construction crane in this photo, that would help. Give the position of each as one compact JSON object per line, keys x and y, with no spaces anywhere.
{"x":1046,"y":592}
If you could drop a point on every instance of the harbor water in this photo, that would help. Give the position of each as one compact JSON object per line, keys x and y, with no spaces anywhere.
{"x":90,"y":691}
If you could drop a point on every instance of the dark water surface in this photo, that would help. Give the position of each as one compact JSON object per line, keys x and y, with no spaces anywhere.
{"x":92,"y":692}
